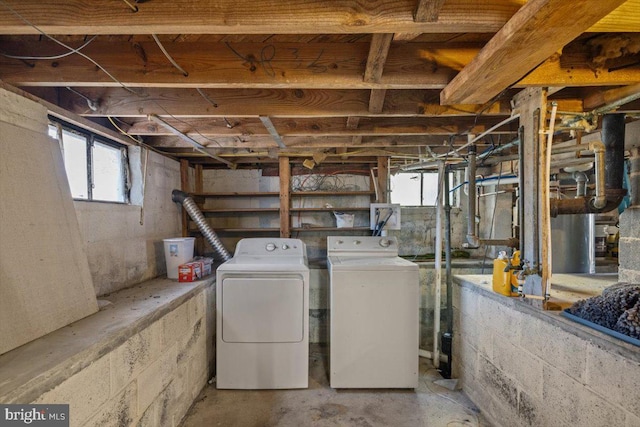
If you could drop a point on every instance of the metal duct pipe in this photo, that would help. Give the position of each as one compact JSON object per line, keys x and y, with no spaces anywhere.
{"x":612,"y":168}
{"x":472,"y":238}
{"x":190,"y":206}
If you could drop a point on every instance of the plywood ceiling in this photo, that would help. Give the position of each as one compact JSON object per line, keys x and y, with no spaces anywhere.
{"x":252,"y":80}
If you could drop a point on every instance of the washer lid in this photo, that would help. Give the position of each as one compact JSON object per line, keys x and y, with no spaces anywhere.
{"x":362,"y":263}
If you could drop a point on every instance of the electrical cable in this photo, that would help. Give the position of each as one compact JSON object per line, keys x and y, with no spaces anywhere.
{"x":35,"y":27}
{"x":215,"y":105}
{"x":133,"y":7}
{"x":122,"y":131}
{"x":173,"y":62}
{"x":63,"y":55}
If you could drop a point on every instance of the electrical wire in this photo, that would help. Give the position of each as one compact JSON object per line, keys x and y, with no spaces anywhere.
{"x":133,"y":7}
{"x":173,"y":62}
{"x":122,"y":131}
{"x":212,"y":102}
{"x":63,"y":55}
{"x":35,"y":27}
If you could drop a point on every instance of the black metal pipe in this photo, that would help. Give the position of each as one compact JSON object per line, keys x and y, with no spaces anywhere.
{"x":447,"y":337}
{"x":613,"y":128}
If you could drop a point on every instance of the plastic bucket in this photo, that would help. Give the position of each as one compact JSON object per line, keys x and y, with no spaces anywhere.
{"x":177,"y":251}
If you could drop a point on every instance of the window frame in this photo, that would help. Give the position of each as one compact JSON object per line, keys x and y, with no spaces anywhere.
{"x":90,"y":139}
{"x":452,"y":198}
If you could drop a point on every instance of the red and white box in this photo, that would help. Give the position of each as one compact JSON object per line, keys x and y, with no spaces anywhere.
{"x":207,"y":264}
{"x":190,"y":271}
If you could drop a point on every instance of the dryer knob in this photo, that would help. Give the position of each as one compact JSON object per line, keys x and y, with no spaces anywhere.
{"x":385,"y":243}
{"x":285,"y":246}
{"x":270,"y":247}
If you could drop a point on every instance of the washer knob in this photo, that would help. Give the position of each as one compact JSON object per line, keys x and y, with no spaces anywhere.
{"x":385,"y":243}
{"x":285,"y":246}
{"x":270,"y":247}
{"x":356,"y":242}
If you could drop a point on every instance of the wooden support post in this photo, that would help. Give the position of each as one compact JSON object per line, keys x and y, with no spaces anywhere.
{"x":285,"y":196}
{"x":383,"y":179}
{"x":199,"y":188}
{"x":184,"y":186}
{"x":532,"y":104}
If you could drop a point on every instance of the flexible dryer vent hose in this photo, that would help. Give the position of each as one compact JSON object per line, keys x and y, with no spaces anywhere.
{"x":190,"y":206}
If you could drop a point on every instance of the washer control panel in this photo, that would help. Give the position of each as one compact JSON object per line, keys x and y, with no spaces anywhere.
{"x":367,"y":244}
{"x":270,"y":247}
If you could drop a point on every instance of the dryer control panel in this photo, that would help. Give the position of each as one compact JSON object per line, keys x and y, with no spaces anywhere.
{"x":357,"y":245}
{"x":270,"y":247}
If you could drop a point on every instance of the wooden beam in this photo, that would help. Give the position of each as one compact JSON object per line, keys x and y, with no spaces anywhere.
{"x":250,"y":17}
{"x":383,"y":179}
{"x":428,"y":10}
{"x":352,"y":122}
{"x":509,"y":55}
{"x":376,"y":100}
{"x":267,"y":102}
{"x":285,"y":196}
{"x":612,"y":97}
{"x":378,"y":51}
{"x":266,"y":121}
{"x":247,"y":128}
{"x":186,"y":187}
{"x":300,"y":66}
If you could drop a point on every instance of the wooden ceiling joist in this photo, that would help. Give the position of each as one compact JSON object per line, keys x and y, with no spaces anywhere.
{"x":378,"y":51}
{"x":248,"y":17}
{"x":538,"y":30}
{"x":260,"y":102}
{"x":428,"y":10}
{"x":283,"y":65}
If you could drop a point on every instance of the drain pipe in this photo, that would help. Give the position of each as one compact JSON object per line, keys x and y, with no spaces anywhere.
{"x":609,"y":173}
{"x":473,"y":241}
{"x":190,"y":206}
{"x":447,"y":337}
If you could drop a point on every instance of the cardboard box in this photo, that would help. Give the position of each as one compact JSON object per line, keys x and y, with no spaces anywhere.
{"x":207,"y":264}
{"x":190,"y":271}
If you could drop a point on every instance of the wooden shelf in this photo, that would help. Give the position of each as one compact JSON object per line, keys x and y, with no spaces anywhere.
{"x":330,"y":229}
{"x":332,"y":193}
{"x":250,"y":194}
{"x":239,"y":230}
{"x":239,"y":210}
{"x":364,"y":209}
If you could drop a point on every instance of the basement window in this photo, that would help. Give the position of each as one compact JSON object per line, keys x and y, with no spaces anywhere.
{"x":96,"y":167}
{"x":416,"y":188}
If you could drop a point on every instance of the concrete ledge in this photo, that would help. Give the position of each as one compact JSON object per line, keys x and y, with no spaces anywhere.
{"x":566,"y":287}
{"x":523,"y":366}
{"x":37,"y":367}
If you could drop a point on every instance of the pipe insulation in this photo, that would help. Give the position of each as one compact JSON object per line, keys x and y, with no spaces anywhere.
{"x":190,"y":206}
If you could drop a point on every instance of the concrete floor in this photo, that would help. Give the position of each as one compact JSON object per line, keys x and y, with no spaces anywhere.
{"x":319,"y":405}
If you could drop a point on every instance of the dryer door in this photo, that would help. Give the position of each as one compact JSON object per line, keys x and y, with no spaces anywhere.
{"x":262,"y":310}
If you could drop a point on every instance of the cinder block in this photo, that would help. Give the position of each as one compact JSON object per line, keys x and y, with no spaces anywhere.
{"x":191,"y":342}
{"x":496,"y":383}
{"x":196,"y":307}
{"x":630,"y":223}
{"x":128,"y":360}
{"x":468,"y":355}
{"x":629,"y":256}
{"x":469,"y":302}
{"x":118,"y":411}
{"x":155,"y":378}
{"x":560,"y":349}
{"x":518,"y":364}
{"x":175,"y":325}
{"x":632,"y":420}
{"x":628,"y":275}
{"x":615,"y":378}
{"x":530,"y":410}
{"x":84,"y":392}
{"x":576,"y":404}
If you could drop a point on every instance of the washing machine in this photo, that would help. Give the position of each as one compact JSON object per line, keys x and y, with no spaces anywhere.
{"x":374,"y":314}
{"x":262,"y":316}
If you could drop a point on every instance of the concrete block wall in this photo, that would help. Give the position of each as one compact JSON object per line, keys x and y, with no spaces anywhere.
{"x":629,"y":249}
{"x":521,"y":370}
{"x":149,"y":380}
{"x":122,"y":251}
